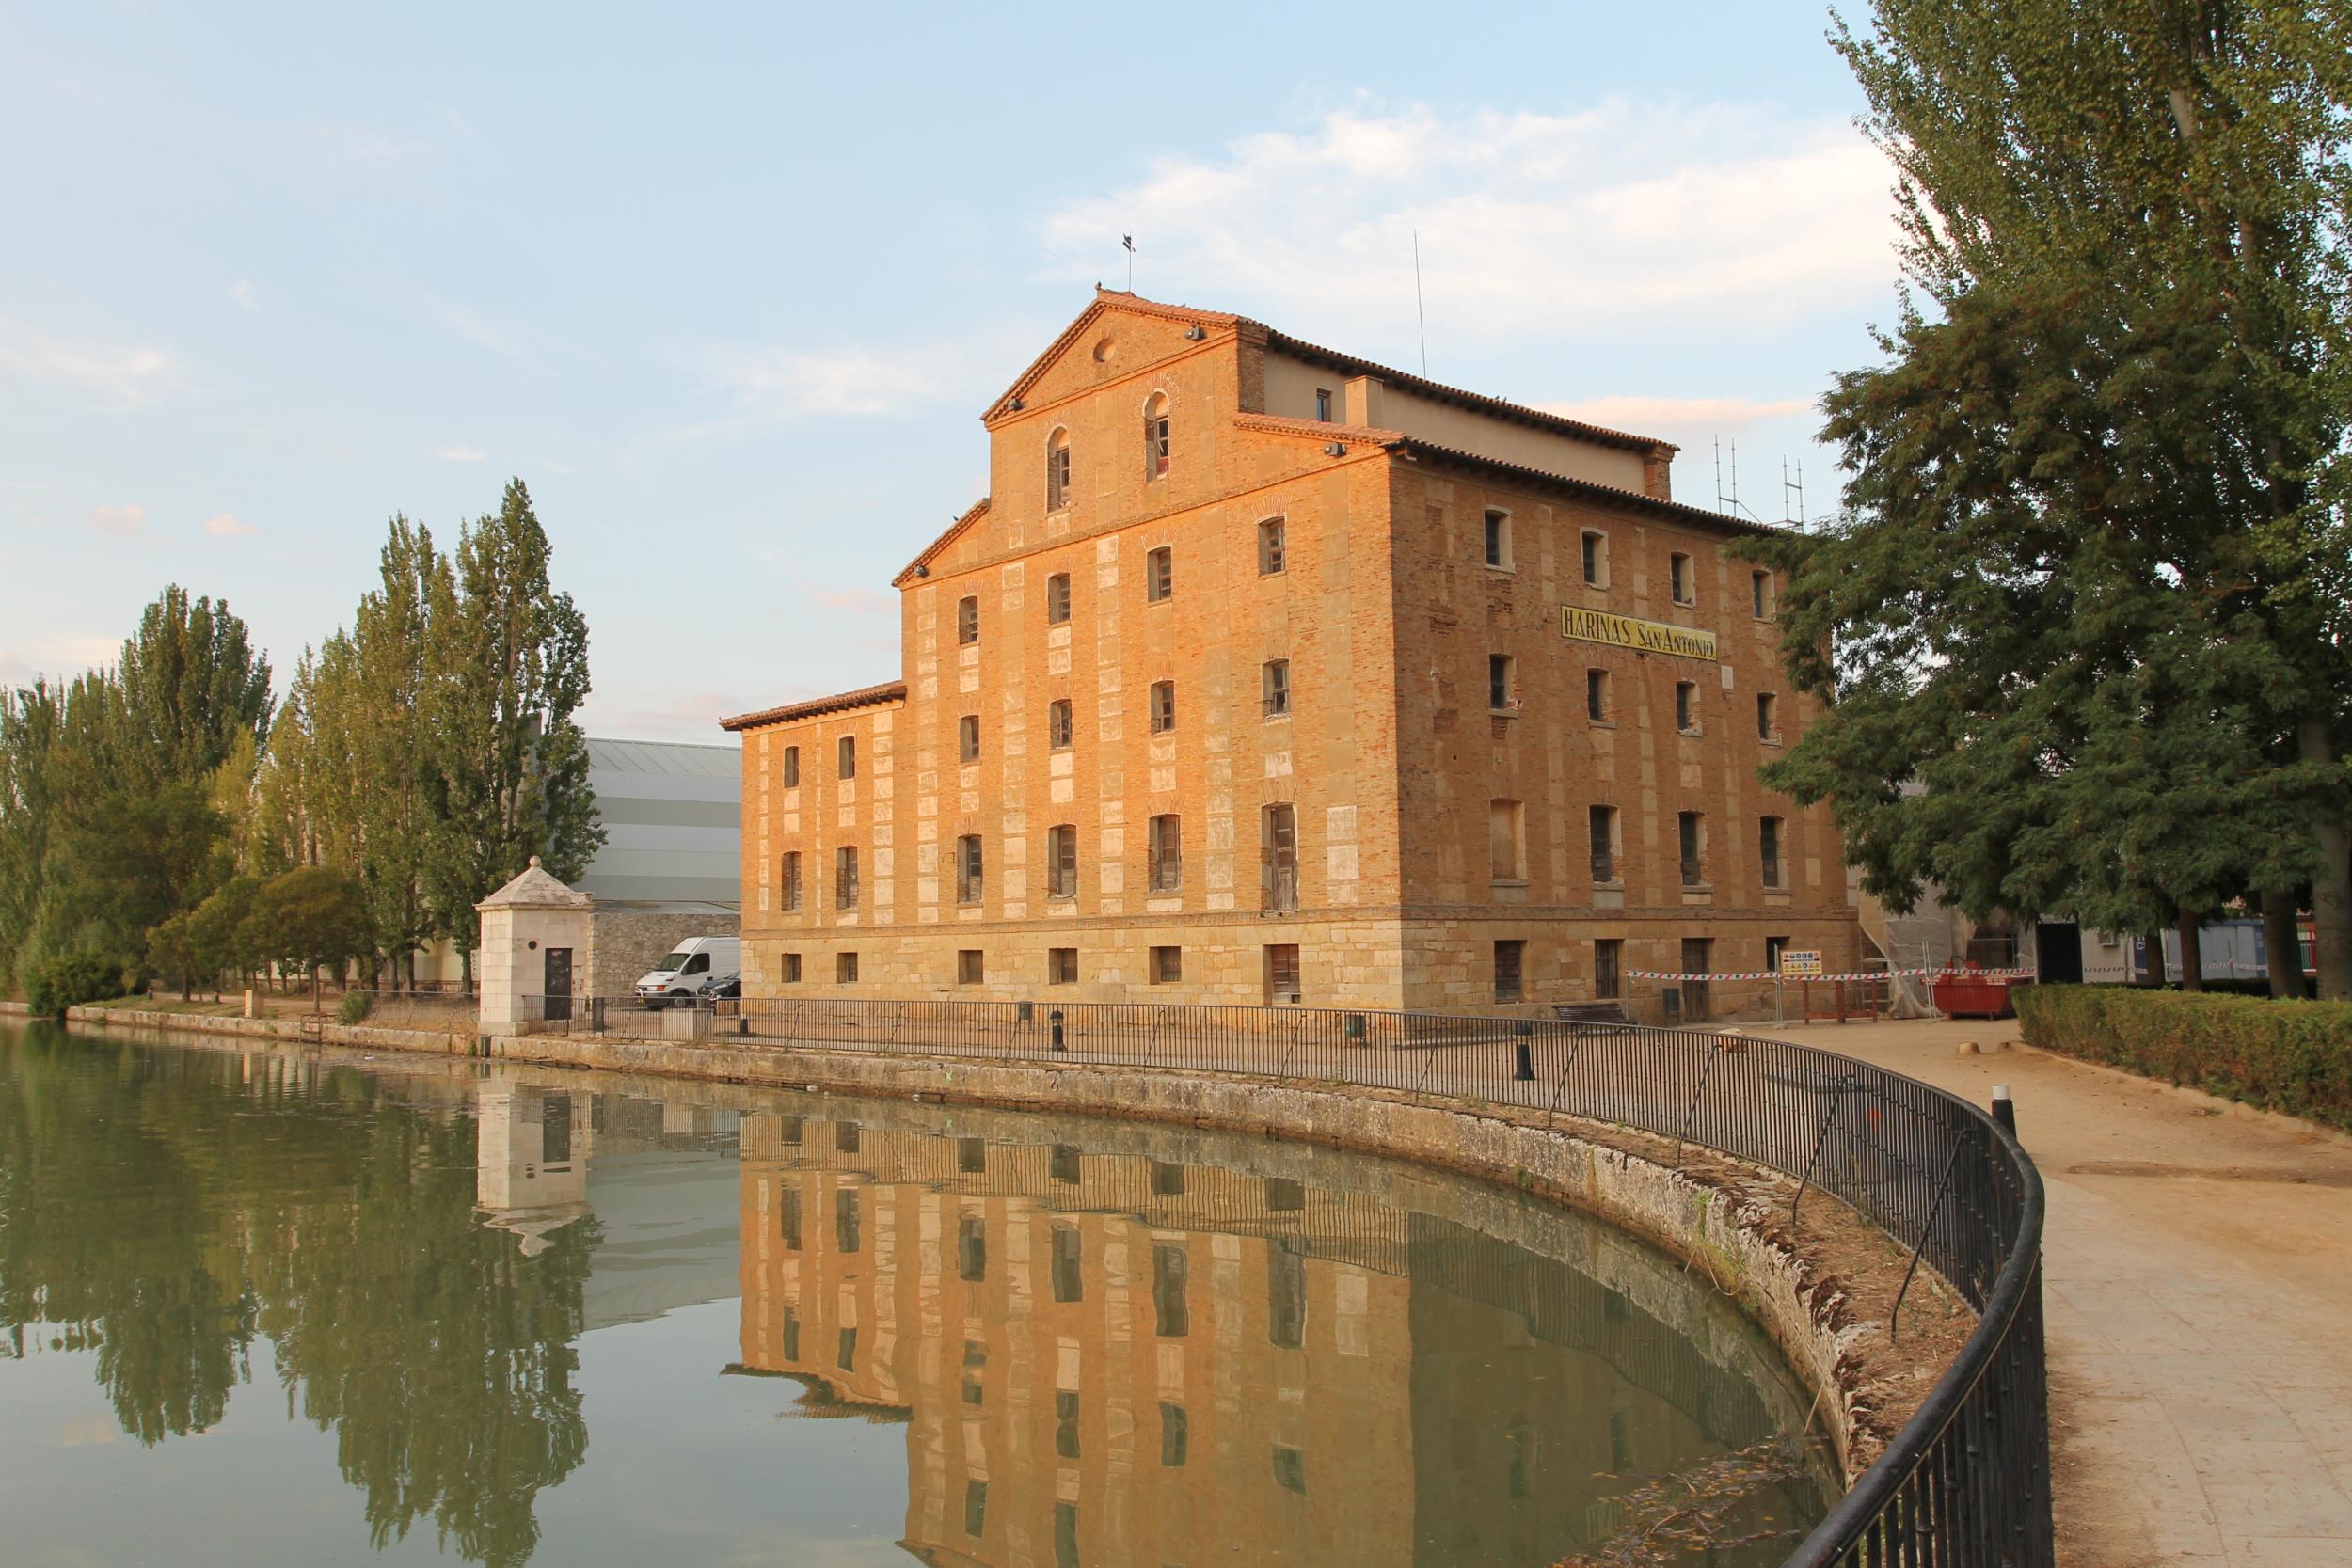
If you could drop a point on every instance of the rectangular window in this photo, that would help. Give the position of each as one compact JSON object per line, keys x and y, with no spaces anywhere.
{"x":791,"y":969}
{"x":791,"y":768}
{"x":789,"y":1218}
{"x":1286,"y":1290}
{"x":1507,"y":840}
{"x":1692,"y":836}
{"x":846,"y":1217}
{"x":1061,"y":855}
{"x":1167,"y":965}
{"x":1057,"y":599}
{"x":1057,"y":474}
{"x":1499,"y":539}
{"x":971,"y":1249}
{"x":1595,"y":547}
{"x":1510,"y":963}
{"x":1603,"y":820}
{"x":1279,"y":849}
{"x":1163,"y":706}
{"x":845,"y":758}
{"x":1271,"y":556}
{"x":1171,"y":1274}
{"x":1760,"y":594}
{"x":1274,"y":686}
{"x":1290,"y":1468}
{"x":1174,"y":1438}
{"x":1282,"y":983}
{"x":1687,"y":706}
{"x":1068,"y":1263}
{"x":1164,"y":848}
{"x":1061,"y":966}
{"x":971,"y":1160}
{"x":845,"y":1349}
{"x":970,"y":884}
{"x":788,"y":880}
{"x":967,"y":620}
{"x":1608,"y":969}
{"x":1766,"y":716}
{"x":1501,"y":695}
{"x":844,"y":878}
{"x":968,"y":737}
{"x":845,"y":967}
{"x":1767,"y":850}
{"x":975,"y":1508}
{"x":1058,"y":726}
{"x":1774,"y":948}
{"x":1323,"y":404}
{"x":1159,"y":575}
{"x":1155,"y":445}
{"x":1597,"y":696}
{"x":1681,"y":579}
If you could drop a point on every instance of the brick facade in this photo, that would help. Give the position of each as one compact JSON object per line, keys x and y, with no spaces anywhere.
{"x":1371,"y":807}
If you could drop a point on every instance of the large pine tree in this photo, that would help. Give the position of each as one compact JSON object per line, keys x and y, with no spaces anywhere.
{"x":2085,"y":627}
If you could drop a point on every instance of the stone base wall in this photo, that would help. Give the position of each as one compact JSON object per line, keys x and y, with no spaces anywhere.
{"x":1378,"y":962}
{"x":624,"y":944}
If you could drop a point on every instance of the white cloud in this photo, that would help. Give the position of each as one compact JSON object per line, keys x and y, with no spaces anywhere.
{"x":123,"y":522}
{"x":1648,"y":416}
{"x":116,"y":375}
{"x":246,"y":295}
{"x":852,"y":381}
{"x":220,"y":525}
{"x":359,"y":146}
{"x":456,"y":453}
{"x":1618,"y":217}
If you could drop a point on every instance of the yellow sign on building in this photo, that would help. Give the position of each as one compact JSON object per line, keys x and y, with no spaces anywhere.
{"x":1623,"y":632}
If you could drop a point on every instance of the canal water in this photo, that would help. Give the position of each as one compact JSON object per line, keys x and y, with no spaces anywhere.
{"x":271,"y":1306}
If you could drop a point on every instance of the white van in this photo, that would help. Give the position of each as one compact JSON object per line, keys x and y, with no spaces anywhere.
{"x":691,"y":966}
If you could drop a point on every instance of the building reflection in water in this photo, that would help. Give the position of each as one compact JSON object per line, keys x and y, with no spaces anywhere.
{"x":1110,"y":1359}
{"x":532,"y":1171}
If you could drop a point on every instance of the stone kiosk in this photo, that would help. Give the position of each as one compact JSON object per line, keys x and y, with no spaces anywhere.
{"x":538,"y":939}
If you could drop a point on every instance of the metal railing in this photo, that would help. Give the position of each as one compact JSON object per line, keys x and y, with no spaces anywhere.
{"x":1966,"y":1482}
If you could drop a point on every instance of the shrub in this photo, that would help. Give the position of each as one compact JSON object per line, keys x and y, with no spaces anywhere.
{"x":355,"y":1007}
{"x":71,"y":979}
{"x":2291,"y":1057}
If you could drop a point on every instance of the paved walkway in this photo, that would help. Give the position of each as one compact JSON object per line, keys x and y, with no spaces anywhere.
{"x":2198,"y":1272}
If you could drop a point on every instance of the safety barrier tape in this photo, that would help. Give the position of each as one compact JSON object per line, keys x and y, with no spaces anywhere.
{"x":1867,"y":975}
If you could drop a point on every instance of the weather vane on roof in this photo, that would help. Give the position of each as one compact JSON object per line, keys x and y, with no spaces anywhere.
{"x":1129,"y":242}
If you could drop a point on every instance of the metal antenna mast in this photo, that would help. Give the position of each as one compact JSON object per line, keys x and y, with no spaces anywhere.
{"x":1420,"y":313}
{"x":1786,"y":489}
{"x":1129,"y":242}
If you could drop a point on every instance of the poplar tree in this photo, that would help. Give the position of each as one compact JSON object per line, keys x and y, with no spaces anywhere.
{"x":2083,"y":632}
{"x":510,"y":670}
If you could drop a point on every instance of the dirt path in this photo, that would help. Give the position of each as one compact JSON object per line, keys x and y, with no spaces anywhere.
{"x":2199,"y":1274}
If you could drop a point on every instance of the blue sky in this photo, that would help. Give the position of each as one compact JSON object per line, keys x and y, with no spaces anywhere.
{"x":728,"y":286}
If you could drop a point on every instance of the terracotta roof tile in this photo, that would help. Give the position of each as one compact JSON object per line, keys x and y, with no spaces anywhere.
{"x":865,"y":696}
{"x":1587,"y":489}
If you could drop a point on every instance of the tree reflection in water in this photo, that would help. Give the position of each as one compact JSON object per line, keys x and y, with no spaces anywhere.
{"x":167,"y":1208}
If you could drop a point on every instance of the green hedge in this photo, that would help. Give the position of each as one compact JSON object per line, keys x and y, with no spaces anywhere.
{"x":74,"y":979}
{"x":2292,"y":1057}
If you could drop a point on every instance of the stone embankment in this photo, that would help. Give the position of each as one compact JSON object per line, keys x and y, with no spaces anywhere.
{"x":1821,"y":1289}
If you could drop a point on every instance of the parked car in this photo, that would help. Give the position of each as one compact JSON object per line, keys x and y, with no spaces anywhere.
{"x":677,"y":980}
{"x":726,"y":988}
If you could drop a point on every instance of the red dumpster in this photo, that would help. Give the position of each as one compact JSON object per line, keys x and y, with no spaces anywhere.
{"x":1962,"y":993}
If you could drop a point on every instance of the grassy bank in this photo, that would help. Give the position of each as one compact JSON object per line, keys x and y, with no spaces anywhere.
{"x":2291,"y":1057}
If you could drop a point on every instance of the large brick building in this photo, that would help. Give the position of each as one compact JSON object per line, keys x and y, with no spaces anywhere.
{"x":1269,"y":673}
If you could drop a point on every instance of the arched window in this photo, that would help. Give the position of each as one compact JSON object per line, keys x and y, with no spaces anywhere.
{"x":1155,"y":436}
{"x":1058,"y":470}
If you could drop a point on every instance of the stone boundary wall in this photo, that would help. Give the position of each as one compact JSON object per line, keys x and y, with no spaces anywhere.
{"x":1735,"y":1234}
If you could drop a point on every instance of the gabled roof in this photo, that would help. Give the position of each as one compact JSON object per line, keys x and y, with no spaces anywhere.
{"x":865,"y":696}
{"x":956,"y":531}
{"x":1436,"y":392}
{"x":1583,"y":488}
{"x":535,"y":889}
{"x":1106,"y":300}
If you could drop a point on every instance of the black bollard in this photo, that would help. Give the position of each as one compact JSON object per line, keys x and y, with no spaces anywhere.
{"x":1525,"y":1070}
{"x":1055,"y":1018}
{"x":2004,"y":1109}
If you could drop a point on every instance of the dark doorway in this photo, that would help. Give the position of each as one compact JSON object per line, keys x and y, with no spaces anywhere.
{"x":558,"y":986}
{"x":1697,"y":959}
{"x":2058,"y":950}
